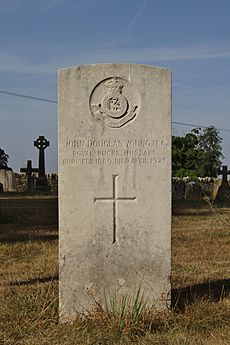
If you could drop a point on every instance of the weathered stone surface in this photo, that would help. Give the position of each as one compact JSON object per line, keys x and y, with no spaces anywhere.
{"x":7,"y":179}
{"x":115,"y":184}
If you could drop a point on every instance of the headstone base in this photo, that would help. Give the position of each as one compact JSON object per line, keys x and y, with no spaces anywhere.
{"x":42,"y":184}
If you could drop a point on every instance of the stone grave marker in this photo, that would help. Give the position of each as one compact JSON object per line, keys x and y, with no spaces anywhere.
{"x":41,"y":143}
{"x":223,"y":193}
{"x":114,"y":185}
{"x":224,"y":172}
{"x":29,"y":171}
{"x":7,"y":177}
{"x":8,"y":180}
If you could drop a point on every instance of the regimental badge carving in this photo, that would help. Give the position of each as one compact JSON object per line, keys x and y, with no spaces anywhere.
{"x":115,"y":102}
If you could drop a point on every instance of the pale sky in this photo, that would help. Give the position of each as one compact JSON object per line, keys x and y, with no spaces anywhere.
{"x":40,"y":36}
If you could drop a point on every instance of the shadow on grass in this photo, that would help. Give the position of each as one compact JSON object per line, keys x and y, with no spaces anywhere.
{"x":187,"y":208}
{"x":31,"y":211}
{"x":181,"y":298}
{"x":18,"y":233}
{"x":32,"y":281}
{"x":15,"y":238}
{"x":212,"y":290}
{"x":198,"y":208}
{"x":184,"y":212}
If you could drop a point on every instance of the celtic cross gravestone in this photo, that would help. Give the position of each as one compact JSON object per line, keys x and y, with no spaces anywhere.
{"x":41,"y":143}
{"x":41,"y":183}
{"x":115,"y":184}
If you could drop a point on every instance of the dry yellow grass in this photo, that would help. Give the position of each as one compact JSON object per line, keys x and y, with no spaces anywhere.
{"x":29,"y":283}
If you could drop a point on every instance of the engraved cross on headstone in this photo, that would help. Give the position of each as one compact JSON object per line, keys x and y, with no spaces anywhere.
{"x":29,"y":170}
{"x":224,"y":172}
{"x":114,"y":199}
{"x":41,"y":143}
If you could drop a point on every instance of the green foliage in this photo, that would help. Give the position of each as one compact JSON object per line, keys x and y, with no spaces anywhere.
{"x":184,"y":156}
{"x":198,"y":153}
{"x":209,"y":145}
{"x":126,"y":310}
{"x":3,"y":159}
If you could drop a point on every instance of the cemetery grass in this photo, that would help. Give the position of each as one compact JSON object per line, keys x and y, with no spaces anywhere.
{"x":200,"y":312}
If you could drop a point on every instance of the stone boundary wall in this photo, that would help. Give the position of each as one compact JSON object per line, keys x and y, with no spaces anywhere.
{"x":182,"y":188}
{"x":188,"y":189}
{"x":21,"y":182}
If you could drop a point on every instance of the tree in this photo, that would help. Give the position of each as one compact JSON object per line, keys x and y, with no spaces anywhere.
{"x":209,"y":145}
{"x":198,"y":153}
{"x":184,"y":155}
{"x":3,"y":159}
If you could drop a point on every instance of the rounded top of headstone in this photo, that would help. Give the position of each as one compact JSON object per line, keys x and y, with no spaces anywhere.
{"x":114,"y":64}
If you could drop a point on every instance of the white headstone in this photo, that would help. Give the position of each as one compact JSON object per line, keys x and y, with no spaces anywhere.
{"x":114,"y":185}
{"x":7,"y":179}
